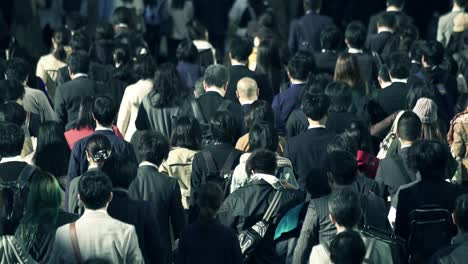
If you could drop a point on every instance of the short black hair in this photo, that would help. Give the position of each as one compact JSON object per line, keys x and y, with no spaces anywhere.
{"x":240,"y":48}
{"x":80,"y":42}
{"x":223,"y":127}
{"x":261,"y":161}
{"x":387,"y":19}
{"x":314,"y":5}
{"x":341,"y":166}
{"x":343,"y":142}
{"x":209,"y":199}
{"x":104,"y":30}
{"x":123,"y":15}
{"x":94,"y":188}
{"x":331,"y":37}
{"x":301,"y":66}
{"x":340,"y":96}
{"x":315,"y":106}
{"x":399,"y":65}
{"x":11,"y":90}
{"x":216,"y":75}
{"x":384,"y":73}
{"x":355,"y":34}
{"x":17,"y":69}
{"x":416,"y":51}
{"x":409,"y":126}
{"x":187,"y":133}
{"x":347,"y":248}
{"x":153,"y":147}
{"x":104,"y":110}
{"x":260,"y":111}
{"x":74,"y":22}
{"x":461,"y":212}
{"x":11,"y":139}
{"x":121,"y":171}
{"x":144,"y":67}
{"x":78,"y":62}
{"x":345,"y":207}
{"x":12,"y":112}
{"x":196,"y":30}
{"x":430,"y":158}
{"x":397,"y":3}
{"x":187,"y":52}
{"x":433,"y":52}
{"x":461,"y":3}
{"x":263,"y":136}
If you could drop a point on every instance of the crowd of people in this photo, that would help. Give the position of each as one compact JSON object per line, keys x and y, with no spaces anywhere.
{"x":149,"y":135}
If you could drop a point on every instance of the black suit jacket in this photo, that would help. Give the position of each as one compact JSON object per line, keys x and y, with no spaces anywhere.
{"x":306,"y":153}
{"x":68,"y":97}
{"x":401,"y":20}
{"x":140,"y":215}
{"x":366,"y":67}
{"x":377,"y":42}
{"x":326,"y":61}
{"x":393,"y":98}
{"x":304,"y":33}
{"x":63,"y":76}
{"x":238,"y":72}
{"x":163,"y":193}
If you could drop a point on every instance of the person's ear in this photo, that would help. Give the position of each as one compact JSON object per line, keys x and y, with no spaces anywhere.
{"x":258,"y":92}
{"x":205,"y":87}
{"x":111,"y":195}
{"x":70,"y":72}
{"x":454,"y":219}
{"x":237,"y":94}
{"x":332,"y":219}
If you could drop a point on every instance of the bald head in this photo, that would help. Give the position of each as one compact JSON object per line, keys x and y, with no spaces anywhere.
{"x":247,"y":89}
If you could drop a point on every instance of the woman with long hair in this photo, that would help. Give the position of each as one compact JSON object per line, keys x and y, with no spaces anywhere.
{"x":181,"y":13}
{"x":426,"y":109}
{"x":269,"y":63}
{"x":186,"y":141}
{"x":168,"y":100}
{"x":42,"y":217}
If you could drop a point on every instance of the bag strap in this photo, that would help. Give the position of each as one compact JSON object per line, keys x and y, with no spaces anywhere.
{"x":370,"y":248}
{"x":209,"y":160}
{"x":15,"y":250}
{"x":272,"y":207}
{"x":401,"y":166}
{"x":74,"y":241}
{"x":224,"y":105}
{"x":228,"y":163}
{"x":197,"y":112}
{"x":303,"y":118}
{"x":326,"y":247}
{"x":26,"y":173}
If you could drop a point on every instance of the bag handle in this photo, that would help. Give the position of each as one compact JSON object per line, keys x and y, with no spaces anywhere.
{"x":272,"y":207}
{"x":197,"y":112}
{"x":74,"y":241}
{"x":209,"y":160}
{"x":228,"y":163}
{"x":370,"y":248}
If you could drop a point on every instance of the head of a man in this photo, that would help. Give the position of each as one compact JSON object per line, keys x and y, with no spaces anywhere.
{"x":216,"y":77}
{"x":247,"y":90}
{"x":340,"y":168}
{"x":95,"y":190}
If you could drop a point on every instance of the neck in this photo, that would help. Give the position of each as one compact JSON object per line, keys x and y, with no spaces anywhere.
{"x":235,"y":62}
{"x":316,"y":123}
{"x":340,"y":229}
{"x":99,"y":126}
{"x":93,"y":165}
{"x":385,"y":85}
{"x":393,"y":8}
{"x":296,"y":81}
{"x":103,"y":209}
{"x":247,"y":100}
{"x":384,"y":29}
{"x":405,"y":143}
{"x":457,"y":8}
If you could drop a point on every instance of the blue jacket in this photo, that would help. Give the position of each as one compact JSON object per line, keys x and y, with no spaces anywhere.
{"x":285,"y":103}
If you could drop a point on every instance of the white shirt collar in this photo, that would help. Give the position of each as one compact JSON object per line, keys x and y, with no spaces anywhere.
{"x":248,"y":102}
{"x":399,"y":80}
{"x":147,"y":163}
{"x":316,"y":126}
{"x":103,"y":129}
{"x":272,"y":180}
{"x":10,"y":159}
{"x":355,"y":51}
{"x":214,"y":90}
{"x":79,"y":75}
{"x":405,"y":146}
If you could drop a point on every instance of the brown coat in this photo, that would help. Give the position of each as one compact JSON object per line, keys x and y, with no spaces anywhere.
{"x":459,"y":145}
{"x":243,"y":144}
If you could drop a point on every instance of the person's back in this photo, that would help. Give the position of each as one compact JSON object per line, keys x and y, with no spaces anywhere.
{"x":446,"y":22}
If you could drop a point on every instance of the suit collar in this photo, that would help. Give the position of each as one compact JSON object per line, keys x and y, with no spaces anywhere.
{"x":104,"y":132}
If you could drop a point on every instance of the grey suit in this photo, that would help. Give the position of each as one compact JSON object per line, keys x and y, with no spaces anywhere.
{"x":445,"y":27}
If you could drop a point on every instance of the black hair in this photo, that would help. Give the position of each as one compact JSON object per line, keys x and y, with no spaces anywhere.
{"x":187,"y":52}
{"x":433,"y":53}
{"x":461,"y":3}
{"x":355,"y":34}
{"x":196,"y":30}
{"x":263,"y":136}
{"x":340,"y":97}
{"x":153,"y":147}
{"x":78,"y":62}
{"x":94,"y":188}
{"x":121,"y":54}
{"x":144,"y":67}
{"x":315,"y":106}
{"x":177,"y":4}
{"x":168,"y":88}
{"x":121,"y":171}
{"x":187,"y":133}
{"x":331,"y":38}
{"x":341,"y":166}
{"x":345,"y":207}
{"x":343,"y":142}
{"x":11,"y":139}
{"x":399,"y":65}
{"x":317,"y":84}
{"x":269,"y":60}
{"x":216,"y":75}
{"x":430,"y":158}
{"x":123,"y":15}
{"x":104,"y":110}
{"x":223,"y":127}
{"x":417,"y":89}
{"x":313,"y":5}
{"x":80,"y":42}
{"x":360,"y":133}
{"x":104,"y":31}
{"x":17,"y":69}
{"x":387,"y":19}
{"x":61,"y":38}
{"x":416,"y":51}
{"x":85,"y":114}
{"x":209,"y":199}
{"x":397,"y":3}
{"x":383,"y":74}
{"x":409,"y":126}
{"x":461,"y":212}
{"x":240,"y":48}
{"x":98,"y":147}
{"x":50,"y":132}
{"x":261,"y":161}
{"x":74,"y":22}
{"x":260,"y":111}
{"x":11,"y":90}
{"x":12,"y":112}
{"x":347,"y":248}
{"x":54,"y":158}
{"x":409,"y":34}
{"x":301,"y":66}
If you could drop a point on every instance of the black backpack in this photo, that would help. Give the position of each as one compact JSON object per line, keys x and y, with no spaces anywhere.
{"x":431,"y":228}
{"x":207,"y":137}
{"x":396,"y":244}
{"x":222,"y":176}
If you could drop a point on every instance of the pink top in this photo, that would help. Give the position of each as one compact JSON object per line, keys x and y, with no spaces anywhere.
{"x":74,"y":135}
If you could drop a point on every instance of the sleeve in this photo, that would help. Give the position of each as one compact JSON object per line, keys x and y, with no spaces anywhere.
{"x":59,"y":105}
{"x":292,"y":40}
{"x":153,"y":244}
{"x":401,"y":218}
{"x":73,"y":169}
{"x":47,"y":113}
{"x":287,"y":174}
{"x":307,"y":238}
{"x":236,"y":250}
{"x":195,"y":182}
{"x":440,"y":32}
{"x":379,"y":179}
{"x":123,"y":118}
{"x":40,"y":71}
{"x":142,"y":122}
{"x":458,"y":146}
{"x":225,"y":214}
{"x":177,"y":211}
{"x":133,"y":249}
{"x":181,"y":255}
{"x":239,"y":178}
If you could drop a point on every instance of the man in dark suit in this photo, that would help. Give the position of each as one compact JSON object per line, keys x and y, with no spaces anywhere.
{"x":355,"y":39}
{"x":396,"y":8}
{"x":122,"y":172}
{"x":68,"y":96}
{"x":341,"y":170}
{"x":307,"y":150}
{"x":247,"y":92}
{"x":304,"y":33}
{"x":330,"y":40}
{"x":299,"y":69}
{"x":78,"y":42}
{"x":393,"y":97}
{"x":215,"y":83}
{"x":385,"y":28}
{"x":162,"y":191}
{"x":394,"y":170}
{"x":239,"y":51}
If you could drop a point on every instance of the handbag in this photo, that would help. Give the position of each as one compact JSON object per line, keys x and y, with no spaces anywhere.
{"x":251,"y":237}
{"x":390,"y":138}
